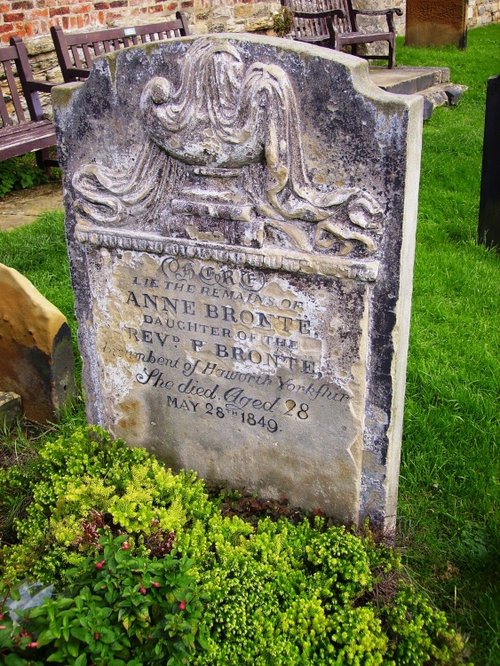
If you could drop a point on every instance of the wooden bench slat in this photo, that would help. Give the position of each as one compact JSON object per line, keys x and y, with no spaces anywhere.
{"x":16,"y":100}
{"x":71,"y":47}
{"x":21,"y":133}
{"x":76,"y":56}
{"x":86,"y":54}
{"x":4,"y":114}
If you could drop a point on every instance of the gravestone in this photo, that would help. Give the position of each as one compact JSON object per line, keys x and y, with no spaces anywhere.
{"x":240,"y":216}
{"x":36,"y":353}
{"x":488,"y":231}
{"x":436,"y":23}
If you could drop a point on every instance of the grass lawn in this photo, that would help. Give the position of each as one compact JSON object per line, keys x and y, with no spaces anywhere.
{"x":448,"y":504}
{"x":448,"y":508}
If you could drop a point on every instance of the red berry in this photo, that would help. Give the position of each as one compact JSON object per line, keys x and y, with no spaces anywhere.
{"x":156,"y":584}
{"x":34,"y":644}
{"x":97,"y":635}
{"x":142,"y":590}
{"x":182,"y":605}
{"x":99,"y":565}
{"x":2,"y":626}
{"x":125,"y":545}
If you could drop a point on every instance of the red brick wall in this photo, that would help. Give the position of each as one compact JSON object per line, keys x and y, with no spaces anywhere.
{"x":33,"y":18}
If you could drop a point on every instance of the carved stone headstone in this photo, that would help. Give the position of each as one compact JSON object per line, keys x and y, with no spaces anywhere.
{"x":436,"y":23}
{"x":36,"y":353}
{"x":488,"y":231}
{"x":241,"y":216}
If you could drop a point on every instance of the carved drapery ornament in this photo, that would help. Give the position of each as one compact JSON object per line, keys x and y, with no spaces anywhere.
{"x":225,"y":145}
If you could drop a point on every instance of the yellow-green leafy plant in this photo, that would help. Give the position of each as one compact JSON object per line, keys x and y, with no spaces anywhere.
{"x":109,"y":526}
{"x":283,"y":21}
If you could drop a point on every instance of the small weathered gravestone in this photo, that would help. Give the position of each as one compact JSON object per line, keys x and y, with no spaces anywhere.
{"x":436,"y":23}
{"x":489,"y":205}
{"x":241,"y":217}
{"x":36,"y":354}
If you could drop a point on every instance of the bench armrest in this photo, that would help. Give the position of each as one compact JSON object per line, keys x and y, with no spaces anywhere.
{"x":74,"y":73}
{"x":40,"y":86}
{"x":388,"y":13}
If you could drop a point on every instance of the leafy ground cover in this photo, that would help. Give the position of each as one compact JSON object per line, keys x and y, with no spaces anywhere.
{"x":139,"y":566}
{"x":448,"y":509}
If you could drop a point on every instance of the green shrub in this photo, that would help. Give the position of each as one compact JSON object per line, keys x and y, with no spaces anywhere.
{"x":128,"y":545}
{"x":20,"y":173}
{"x":88,"y":474}
{"x":122,"y":607}
{"x":304,"y":594}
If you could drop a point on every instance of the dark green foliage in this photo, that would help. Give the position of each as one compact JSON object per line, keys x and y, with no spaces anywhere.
{"x":120,"y":607}
{"x":20,"y":173}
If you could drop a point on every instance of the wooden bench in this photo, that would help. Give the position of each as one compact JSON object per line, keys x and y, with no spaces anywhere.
{"x":75,"y":51}
{"x":23,"y":129}
{"x":334,"y":23}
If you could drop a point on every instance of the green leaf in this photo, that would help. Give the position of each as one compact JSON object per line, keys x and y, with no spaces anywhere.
{"x":46,"y":637}
{"x":14,"y":660}
{"x":73,"y":648}
{"x":81,"y":660}
{"x":79,"y":633}
{"x":107,"y":636}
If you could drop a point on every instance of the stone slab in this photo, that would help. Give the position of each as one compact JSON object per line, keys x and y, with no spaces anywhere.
{"x":409,"y":80}
{"x":36,"y":355}
{"x":10,"y":408}
{"x":241,"y":216}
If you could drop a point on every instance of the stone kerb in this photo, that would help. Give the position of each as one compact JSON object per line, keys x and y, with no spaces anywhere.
{"x":240,"y":217}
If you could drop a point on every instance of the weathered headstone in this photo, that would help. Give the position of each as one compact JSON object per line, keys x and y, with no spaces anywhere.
{"x":489,"y":205}
{"x":36,"y":354}
{"x":241,"y":218}
{"x":436,"y":23}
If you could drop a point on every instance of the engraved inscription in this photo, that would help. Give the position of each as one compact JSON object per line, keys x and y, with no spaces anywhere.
{"x":224,"y":343}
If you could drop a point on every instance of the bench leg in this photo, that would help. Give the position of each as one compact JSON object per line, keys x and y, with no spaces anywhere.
{"x":44,"y":161}
{"x":392,"y":58}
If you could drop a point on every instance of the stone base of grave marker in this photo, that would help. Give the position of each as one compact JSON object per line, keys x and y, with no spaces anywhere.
{"x":241,"y":218}
{"x":10,"y":408}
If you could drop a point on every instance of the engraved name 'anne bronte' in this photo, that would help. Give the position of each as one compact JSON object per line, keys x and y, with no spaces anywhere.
{"x":227,"y":144}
